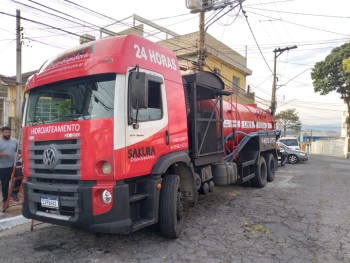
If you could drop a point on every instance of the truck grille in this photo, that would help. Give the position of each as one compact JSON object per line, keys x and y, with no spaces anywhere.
{"x":56,"y":175}
{"x":64,"y":162}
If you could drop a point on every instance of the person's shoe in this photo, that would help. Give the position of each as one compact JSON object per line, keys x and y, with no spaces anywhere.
{"x":14,"y":197}
{"x":4,"y":206}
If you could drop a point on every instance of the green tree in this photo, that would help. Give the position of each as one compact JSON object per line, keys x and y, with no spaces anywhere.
{"x":333,"y":74}
{"x":346,"y":64}
{"x":288,"y":119}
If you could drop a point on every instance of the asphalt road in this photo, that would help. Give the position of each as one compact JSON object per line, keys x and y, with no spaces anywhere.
{"x":303,"y":216}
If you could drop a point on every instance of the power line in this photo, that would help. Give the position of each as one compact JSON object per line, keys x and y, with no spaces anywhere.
{"x":40,"y":23}
{"x":302,"y":14}
{"x":256,"y":42}
{"x":314,"y":28}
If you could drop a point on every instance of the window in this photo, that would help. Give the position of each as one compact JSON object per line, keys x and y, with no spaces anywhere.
{"x":155,"y":108}
{"x":217,"y":71}
{"x":235,"y":83}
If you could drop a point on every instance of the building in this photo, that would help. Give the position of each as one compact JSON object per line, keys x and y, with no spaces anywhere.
{"x":8,"y":86}
{"x":220,"y":59}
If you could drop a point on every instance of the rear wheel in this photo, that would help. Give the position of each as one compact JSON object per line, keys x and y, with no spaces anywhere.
{"x":293,"y":159}
{"x":271,"y":167}
{"x":260,"y":179}
{"x":171,"y":210}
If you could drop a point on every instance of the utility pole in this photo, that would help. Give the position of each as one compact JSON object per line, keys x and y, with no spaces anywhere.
{"x":277,"y":52}
{"x":18,"y":73}
{"x":202,"y":6}
{"x":201,"y":50}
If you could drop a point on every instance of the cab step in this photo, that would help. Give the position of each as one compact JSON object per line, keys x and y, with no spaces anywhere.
{"x":137,"y":197}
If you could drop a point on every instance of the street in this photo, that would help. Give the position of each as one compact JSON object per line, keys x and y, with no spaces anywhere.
{"x":303,"y":216}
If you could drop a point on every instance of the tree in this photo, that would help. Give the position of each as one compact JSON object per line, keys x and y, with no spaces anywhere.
{"x":288,"y":119}
{"x":346,"y":64}
{"x":333,"y":74}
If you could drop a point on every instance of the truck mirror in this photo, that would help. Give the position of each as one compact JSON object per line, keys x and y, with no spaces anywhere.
{"x":138,"y":82}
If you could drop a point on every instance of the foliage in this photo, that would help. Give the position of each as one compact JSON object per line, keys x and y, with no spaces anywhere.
{"x":346,"y":64}
{"x":331,"y":75}
{"x":64,"y":107}
{"x":288,"y":119}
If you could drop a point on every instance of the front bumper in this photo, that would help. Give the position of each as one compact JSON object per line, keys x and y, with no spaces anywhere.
{"x":75,"y":207}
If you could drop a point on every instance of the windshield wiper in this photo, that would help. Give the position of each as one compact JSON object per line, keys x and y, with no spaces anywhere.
{"x":36,"y":121}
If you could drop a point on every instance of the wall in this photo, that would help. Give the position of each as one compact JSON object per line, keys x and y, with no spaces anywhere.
{"x":329,"y":147}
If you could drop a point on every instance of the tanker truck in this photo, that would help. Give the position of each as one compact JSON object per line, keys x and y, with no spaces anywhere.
{"x":115,"y":139}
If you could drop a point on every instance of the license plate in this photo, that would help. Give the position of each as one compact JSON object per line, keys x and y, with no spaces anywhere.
{"x":50,"y":202}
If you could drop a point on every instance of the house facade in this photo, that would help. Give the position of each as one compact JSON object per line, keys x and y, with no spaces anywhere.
{"x":220,"y":59}
{"x":8,"y":87}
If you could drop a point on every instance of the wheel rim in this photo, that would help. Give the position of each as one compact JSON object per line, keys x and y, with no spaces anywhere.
{"x":292,"y":159}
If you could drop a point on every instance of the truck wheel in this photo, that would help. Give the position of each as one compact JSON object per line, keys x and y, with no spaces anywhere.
{"x":293,"y":159}
{"x":271,"y":167}
{"x":170,"y":207}
{"x":260,"y":179}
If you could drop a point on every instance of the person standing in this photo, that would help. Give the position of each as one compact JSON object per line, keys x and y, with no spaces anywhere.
{"x":8,"y":150}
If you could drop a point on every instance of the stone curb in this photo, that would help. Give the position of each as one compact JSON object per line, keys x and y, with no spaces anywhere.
{"x":9,"y":222}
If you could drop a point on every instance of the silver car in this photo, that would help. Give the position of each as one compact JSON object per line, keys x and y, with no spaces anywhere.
{"x":293,"y":156}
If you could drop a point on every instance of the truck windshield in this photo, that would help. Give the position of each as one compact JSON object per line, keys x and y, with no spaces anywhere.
{"x":70,"y":100}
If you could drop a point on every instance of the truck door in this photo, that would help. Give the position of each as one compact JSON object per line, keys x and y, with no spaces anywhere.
{"x":147,"y":136}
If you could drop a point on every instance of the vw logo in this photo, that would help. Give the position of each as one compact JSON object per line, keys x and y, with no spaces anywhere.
{"x":49,"y":157}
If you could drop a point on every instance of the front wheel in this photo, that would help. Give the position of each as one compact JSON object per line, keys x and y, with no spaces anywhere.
{"x":293,"y":159}
{"x":171,"y":210}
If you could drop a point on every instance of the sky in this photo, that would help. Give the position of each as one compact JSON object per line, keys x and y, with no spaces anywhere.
{"x":255,"y":31}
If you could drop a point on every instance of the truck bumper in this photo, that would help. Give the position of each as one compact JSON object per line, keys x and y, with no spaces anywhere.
{"x":75,"y":206}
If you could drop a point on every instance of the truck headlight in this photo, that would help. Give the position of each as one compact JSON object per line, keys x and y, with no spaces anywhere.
{"x":106,"y":196}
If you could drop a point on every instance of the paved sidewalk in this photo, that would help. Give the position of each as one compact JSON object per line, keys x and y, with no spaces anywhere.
{"x":12,"y":216}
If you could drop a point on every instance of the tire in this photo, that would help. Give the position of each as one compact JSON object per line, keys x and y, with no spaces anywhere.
{"x":260,"y":179}
{"x":271,"y":167}
{"x":293,"y":159}
{"x":170,"y":207}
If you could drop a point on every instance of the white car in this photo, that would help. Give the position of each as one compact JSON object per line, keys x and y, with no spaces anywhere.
{"x":290,"y":142}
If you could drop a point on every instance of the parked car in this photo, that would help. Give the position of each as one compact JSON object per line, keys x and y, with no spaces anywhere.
{"x":293,"y":156}
{"x":290,"y":142}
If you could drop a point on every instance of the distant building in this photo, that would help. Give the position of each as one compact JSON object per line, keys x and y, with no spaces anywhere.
{"x":8,"y":87}
{"x":316,"y":136}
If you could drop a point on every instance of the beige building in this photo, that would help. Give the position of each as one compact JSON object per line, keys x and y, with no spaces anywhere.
{"x":8,"y":87}
{"x":220,"y":59}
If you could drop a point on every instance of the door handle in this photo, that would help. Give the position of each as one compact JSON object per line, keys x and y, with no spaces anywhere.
{"x":167,"y":137}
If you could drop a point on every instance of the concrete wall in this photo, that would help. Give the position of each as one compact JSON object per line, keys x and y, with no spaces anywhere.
{"x":329,"y":147}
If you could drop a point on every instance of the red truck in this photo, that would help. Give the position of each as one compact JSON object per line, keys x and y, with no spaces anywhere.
{"x":115,"y":139}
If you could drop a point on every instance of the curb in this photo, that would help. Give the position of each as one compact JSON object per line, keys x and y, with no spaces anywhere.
{"x":7,"y":223}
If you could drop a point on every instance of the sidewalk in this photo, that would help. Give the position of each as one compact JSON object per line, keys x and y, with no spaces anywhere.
{"x":12,"y":216}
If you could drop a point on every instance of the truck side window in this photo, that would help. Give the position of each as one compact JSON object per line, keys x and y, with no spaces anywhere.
{"x":155,"y":107}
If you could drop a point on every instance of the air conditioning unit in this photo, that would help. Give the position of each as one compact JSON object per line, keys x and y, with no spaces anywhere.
{"x":198,"y":5}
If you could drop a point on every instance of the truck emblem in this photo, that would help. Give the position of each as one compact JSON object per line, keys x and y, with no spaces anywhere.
{"x":49,"y":157}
